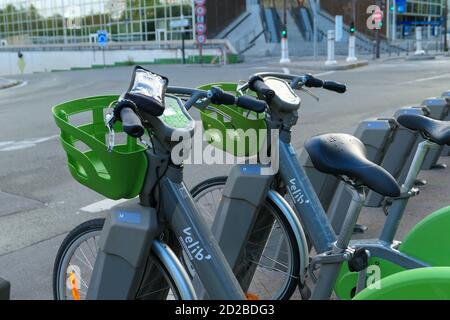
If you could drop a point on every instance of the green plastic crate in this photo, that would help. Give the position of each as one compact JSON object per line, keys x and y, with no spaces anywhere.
{"x":224,"y":125}
{"x":118,"y":174}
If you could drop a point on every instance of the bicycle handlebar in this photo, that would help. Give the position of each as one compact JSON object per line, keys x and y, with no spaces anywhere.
{"x":335,"y":86}
{"x":307,"y":80}
{"x":256,"y":83}
{"x":125,"y":112}
{"x":218,"y":96}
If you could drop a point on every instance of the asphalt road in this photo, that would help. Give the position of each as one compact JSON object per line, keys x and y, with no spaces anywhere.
{"x":40,"y":202}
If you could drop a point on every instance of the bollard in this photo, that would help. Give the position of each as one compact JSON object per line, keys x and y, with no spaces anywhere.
{"x":331,"y":60}
{"x":284,"y":51}
{"x":419,"y":49}
{"x":352,"y":49}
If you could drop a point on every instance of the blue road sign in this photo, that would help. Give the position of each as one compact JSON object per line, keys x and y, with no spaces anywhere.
{"x":401,"y":6}
{"x":102,"y":38}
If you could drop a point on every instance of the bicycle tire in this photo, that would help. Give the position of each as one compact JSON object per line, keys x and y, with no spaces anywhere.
{"x":292,"y":280}
{"x":83,"y":231}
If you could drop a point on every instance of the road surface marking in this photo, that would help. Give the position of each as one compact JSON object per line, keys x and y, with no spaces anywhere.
{"x":23,"y":84}
{"x":24,"y":144}
{"x":324,"y":73}
{"x":102,"y":205}
{"x":445,"y":75}
{"x":286,"y":71}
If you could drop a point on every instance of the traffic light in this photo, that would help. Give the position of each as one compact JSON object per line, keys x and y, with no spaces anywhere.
{"x":352,"y":28}
{"x":284,"y":34}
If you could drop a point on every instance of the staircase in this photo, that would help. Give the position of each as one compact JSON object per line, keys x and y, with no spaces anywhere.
{"x":257,"y":32}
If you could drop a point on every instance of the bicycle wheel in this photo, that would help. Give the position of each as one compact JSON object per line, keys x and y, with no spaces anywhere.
{"x":75,"y":262}
{"x":271,"y":265}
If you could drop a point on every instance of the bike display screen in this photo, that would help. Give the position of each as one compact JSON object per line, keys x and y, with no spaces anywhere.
{"x":149,"y":84}
{"x":147,"y":91}
{"x":282,"y":89}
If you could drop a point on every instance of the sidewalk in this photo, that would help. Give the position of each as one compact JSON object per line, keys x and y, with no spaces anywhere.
{"x":319,"y":64}
{"x":8,"y":83}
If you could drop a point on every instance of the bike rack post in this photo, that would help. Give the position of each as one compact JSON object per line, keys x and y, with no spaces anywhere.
{"x":446,"y":96}
{"x":352,"y":49}
{"x":439,"y":110}
{"x":403,"y":166}
{"x":331,"y":59}
{"x":419,"y":47}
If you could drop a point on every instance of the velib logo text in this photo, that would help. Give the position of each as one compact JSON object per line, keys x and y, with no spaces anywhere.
{"x":232,"y":146}
{"x":297,"y":194}
{"x":192,"y":247}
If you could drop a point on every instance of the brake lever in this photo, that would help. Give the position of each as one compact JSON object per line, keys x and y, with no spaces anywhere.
{"x":309,"y":93}
{"x":241,"y":84}
{"x":109,"y":122}
{"x":202,"y":103}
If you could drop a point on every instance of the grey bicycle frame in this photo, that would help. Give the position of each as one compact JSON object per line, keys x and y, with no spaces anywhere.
{"x":134,"y":233}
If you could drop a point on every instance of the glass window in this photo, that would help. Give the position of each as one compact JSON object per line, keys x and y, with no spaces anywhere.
{"x":74,"y":21}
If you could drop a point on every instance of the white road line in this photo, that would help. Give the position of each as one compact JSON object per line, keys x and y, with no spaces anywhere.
{"x":22,"y":84}
{"x":286,"y":71}
{"x":102,"y":205}
{"x":324,"y":73}
{"x":24,"y":144}
{"x":445,"y":75}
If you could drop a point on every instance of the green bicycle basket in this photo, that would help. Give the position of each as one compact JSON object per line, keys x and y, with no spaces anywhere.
{"x":118,"y":174}
{"x":227,"y":127}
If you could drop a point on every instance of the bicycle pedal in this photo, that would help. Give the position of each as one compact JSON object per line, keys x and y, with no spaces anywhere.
{"x":360,"y":229}
{"x":420,"y":182}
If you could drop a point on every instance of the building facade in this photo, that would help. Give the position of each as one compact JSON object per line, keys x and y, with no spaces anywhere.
{"x":405,"y":15}
{"x":42,"y":22}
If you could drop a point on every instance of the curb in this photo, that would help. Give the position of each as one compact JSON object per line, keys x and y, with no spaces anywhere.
{"x":421,"y":57}
{"x":9,"y":84}
{"x":321,"y":65}
{"x":349,"y":66}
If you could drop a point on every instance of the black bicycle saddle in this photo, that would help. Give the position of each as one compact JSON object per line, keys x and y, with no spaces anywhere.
{"x":434,"y":130}
{"x":345,"y":155}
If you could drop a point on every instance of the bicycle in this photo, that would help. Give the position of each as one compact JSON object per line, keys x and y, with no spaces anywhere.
{"x":134,"y":252}
{"x":314,"y":220}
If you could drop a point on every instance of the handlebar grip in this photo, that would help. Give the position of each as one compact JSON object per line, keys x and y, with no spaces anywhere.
{"x":131,"y":123}
{"x":257,"y":85}
{"x":252,"y":104}
{"x":218,"y":96}
{"x":312,"y":82}
{"x":335,"y":86}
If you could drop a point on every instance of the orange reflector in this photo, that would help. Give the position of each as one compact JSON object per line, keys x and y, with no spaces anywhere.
{"x":74,"y":283}
{"x":251,"y":296}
